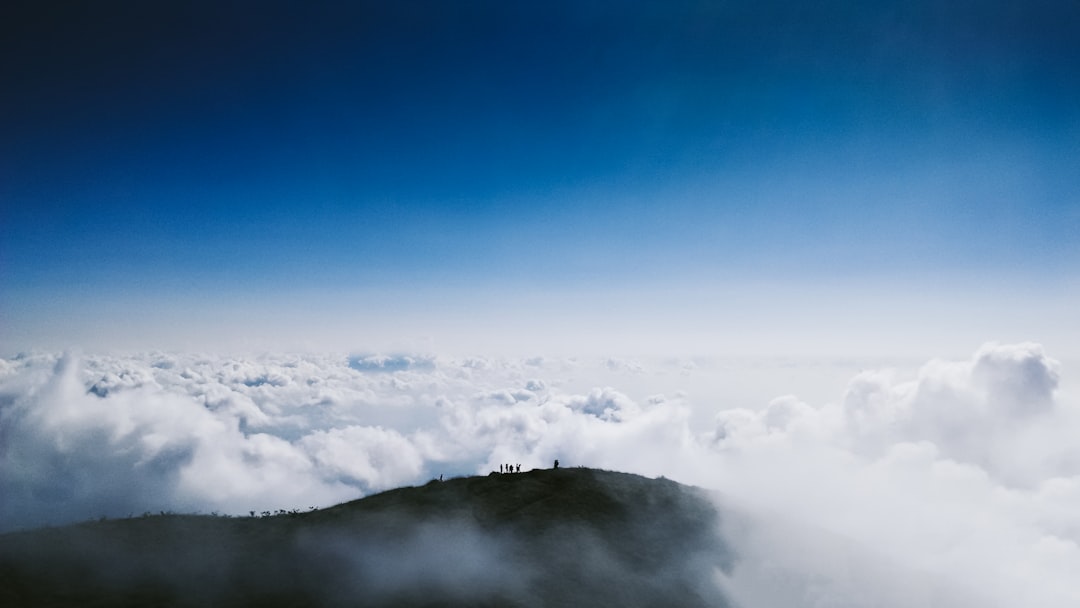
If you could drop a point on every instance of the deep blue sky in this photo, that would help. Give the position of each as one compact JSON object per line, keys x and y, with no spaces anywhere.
{"x":155,"y":150}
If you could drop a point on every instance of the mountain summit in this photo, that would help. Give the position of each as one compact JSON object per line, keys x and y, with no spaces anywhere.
{"x":561,"y":537}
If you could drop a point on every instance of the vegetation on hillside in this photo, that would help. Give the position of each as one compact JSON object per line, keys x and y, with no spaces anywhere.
{"x":565,"y":537}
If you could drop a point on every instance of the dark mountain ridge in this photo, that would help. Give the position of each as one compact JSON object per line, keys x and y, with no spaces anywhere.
{"x":563,"y":537}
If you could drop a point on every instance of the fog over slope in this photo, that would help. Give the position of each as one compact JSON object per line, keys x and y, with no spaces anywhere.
{"x":964,"y":471}
{"x":539,"y":538}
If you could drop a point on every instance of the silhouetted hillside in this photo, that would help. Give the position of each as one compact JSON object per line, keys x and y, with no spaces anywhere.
{"x":566,"y":537}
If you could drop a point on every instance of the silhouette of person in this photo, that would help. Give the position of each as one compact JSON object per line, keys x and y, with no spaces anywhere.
{"x":518,"y":469}
{"x":556,"y":463}
{"x":500,"y":468}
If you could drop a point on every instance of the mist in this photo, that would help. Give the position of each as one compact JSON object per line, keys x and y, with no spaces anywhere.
{"x":525,"y":539}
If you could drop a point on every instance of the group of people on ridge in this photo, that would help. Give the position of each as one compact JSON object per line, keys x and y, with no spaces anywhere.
{"x":511,"y":468}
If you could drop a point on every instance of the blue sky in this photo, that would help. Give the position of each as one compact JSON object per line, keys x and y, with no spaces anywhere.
{"x":402,"y":173}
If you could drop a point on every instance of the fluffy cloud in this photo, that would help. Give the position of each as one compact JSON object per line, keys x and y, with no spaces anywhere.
{"x":366,"y":456}
{"x":963,"y":472}
{"x":951,"y":472}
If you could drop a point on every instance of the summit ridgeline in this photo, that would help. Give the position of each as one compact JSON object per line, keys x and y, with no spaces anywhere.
{"x":562,"y":537}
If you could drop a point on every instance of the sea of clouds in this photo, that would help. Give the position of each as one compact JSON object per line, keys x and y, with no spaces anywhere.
{"x":965,"y":473}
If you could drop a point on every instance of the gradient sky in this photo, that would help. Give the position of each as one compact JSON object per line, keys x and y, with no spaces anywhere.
{"x":744,"y":176}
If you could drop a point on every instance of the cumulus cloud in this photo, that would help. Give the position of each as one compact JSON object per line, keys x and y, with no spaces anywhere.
{"x":72,"y":450}
{"x":368,"y":456}
{"x":963,"y":473}
{"x":949,"y":472}
{"x":396,"y":363}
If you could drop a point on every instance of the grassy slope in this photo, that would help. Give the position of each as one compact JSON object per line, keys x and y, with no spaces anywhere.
{"x":567,"y":537}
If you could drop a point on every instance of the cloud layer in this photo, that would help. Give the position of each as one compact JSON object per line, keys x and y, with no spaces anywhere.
{"x":963,"y":473}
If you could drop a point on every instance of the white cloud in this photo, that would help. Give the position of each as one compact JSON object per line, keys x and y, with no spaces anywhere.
{"x":947,"y":473}
{"x":963,"y":472}
{"x":367,"y":456}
